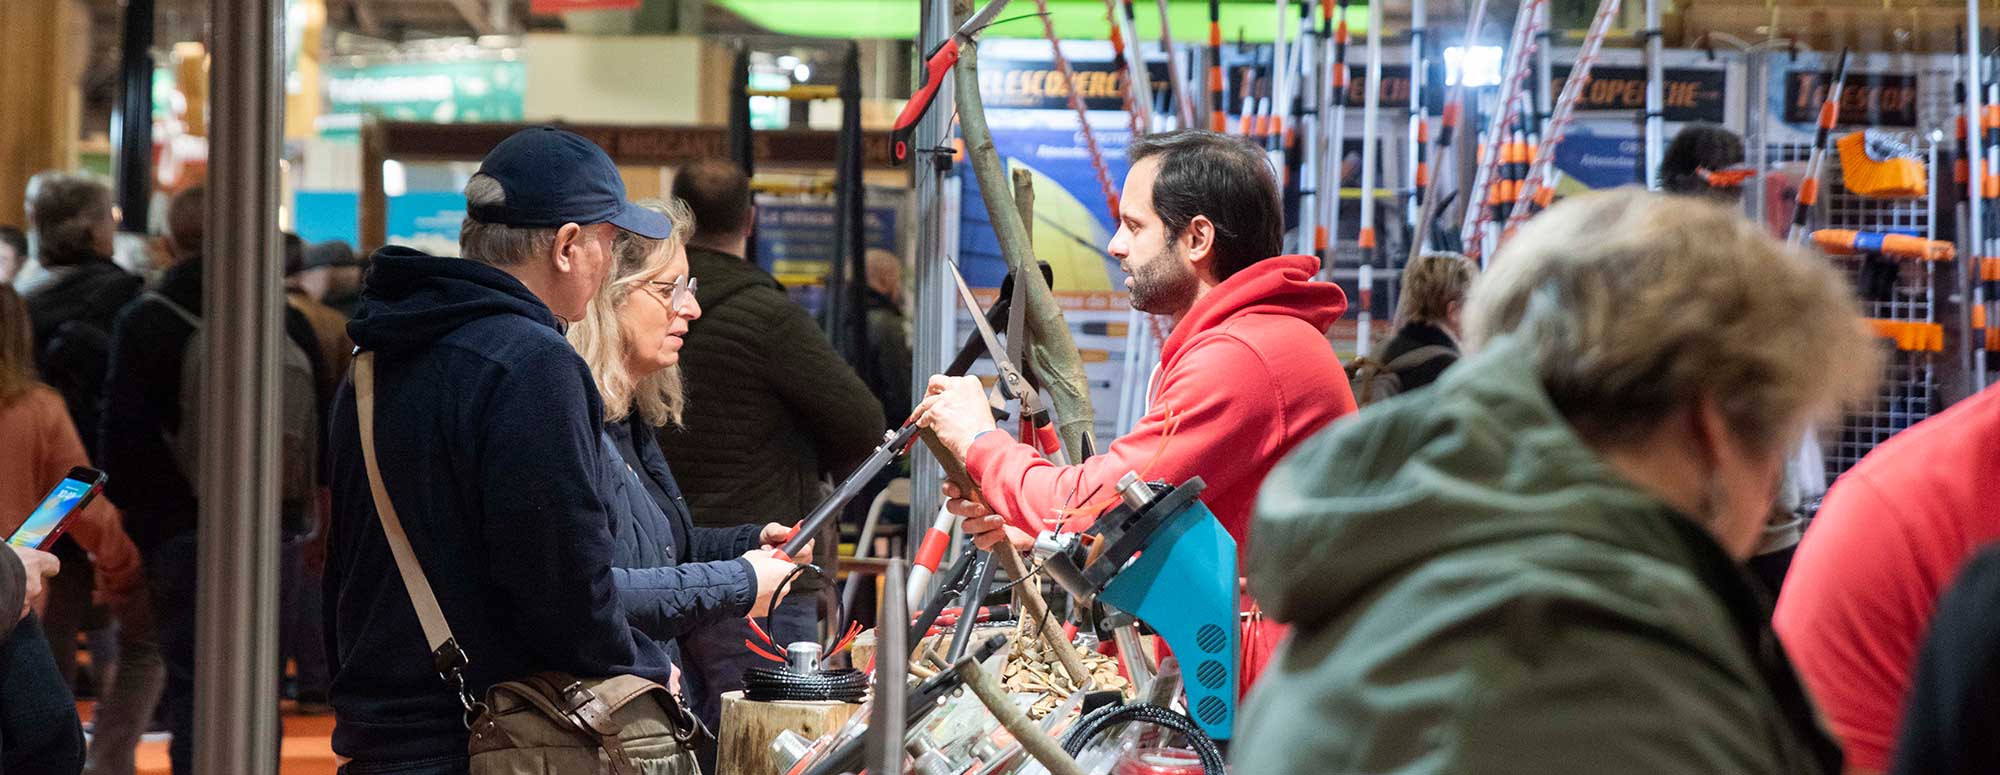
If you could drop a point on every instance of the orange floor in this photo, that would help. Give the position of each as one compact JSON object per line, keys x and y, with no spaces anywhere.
{"x":307,"y":748}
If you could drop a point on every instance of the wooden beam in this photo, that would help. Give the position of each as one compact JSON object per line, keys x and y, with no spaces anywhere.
{"x":630,"y":145}
{"x":474,"y":15}
{"x":40,"y":104}
{"x":373,"y":203}
{"x":364,"y":12}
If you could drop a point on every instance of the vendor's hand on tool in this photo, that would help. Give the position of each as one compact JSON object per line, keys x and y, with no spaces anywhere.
{"x":775,"y":535}
{"x":985,"y":528}
{"x":955,"y":408}
{"x":770,"y":570}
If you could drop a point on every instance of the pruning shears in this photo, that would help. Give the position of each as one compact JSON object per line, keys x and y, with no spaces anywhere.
{"x":1034,"y":414}
{"x":937,"y":63}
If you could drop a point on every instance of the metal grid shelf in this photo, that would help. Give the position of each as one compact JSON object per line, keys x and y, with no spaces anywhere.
{"x":1908,"y":392}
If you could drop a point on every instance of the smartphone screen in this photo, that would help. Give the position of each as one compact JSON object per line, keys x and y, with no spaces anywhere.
{"x":49,"y":519}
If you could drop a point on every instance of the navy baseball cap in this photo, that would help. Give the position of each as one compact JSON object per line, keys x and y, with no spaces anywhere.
{"x":553,"y":177}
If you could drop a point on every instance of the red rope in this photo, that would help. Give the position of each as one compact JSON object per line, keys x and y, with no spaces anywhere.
{"x":1076,"y":104}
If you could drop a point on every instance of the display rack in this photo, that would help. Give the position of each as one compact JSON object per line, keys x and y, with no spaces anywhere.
{"x":1907,"y":319}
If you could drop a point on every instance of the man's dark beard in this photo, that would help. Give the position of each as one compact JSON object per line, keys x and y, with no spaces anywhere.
{"x":1164,"y":285}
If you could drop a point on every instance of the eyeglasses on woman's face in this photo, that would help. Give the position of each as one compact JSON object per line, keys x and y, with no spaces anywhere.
{"x":673,"y":293}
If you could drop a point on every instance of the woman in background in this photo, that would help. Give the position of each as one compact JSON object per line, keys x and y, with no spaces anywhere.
{"x":1429,"y":323}
{"x":39,"y":726}
{"x":671,"y":576}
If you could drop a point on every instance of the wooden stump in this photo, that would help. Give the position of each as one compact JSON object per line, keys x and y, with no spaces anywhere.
{"x":749,"y":727}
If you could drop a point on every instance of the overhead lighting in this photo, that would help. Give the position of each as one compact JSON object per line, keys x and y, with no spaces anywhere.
{"x":1481,"y":68}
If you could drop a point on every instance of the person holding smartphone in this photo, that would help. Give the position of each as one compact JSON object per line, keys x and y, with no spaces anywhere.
{"x":38,"y":720}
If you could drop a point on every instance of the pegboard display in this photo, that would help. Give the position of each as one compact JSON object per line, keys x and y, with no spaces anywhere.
{"x":1894,"y":292}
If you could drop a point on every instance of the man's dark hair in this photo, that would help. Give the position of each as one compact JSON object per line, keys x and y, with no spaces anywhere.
{"x":718,"y":194}
{"x":15,"y":239}
{"x":1224,"y":178}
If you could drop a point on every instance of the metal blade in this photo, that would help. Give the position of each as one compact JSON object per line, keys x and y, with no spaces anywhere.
{"x":979,"y":20}
{"x":993,"y":348}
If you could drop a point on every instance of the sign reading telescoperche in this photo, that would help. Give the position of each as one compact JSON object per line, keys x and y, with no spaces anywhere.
{"x":1038,"y":85}
{"x":1689,"y":93}
{"x":1870,"y":99}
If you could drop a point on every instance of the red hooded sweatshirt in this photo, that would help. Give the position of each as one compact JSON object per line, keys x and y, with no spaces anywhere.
{"x":1246,"y":376}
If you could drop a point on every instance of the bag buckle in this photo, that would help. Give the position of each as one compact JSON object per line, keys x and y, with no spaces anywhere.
{"x":450,"y":662}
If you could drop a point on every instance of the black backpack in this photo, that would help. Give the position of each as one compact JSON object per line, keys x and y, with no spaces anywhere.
{"x":1374,"y":381}
{"x":74,"y":364}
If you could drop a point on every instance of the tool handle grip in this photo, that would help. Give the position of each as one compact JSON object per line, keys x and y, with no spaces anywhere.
{"x":934,"y":70}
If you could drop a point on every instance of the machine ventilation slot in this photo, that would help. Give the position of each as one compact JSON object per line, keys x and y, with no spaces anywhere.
{"x":1211,"y":710}
{"x":1211,"y":674}
{"x":1211,"y":639}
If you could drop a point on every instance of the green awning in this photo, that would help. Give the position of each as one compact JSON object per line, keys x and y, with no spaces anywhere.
{"x":1074,"y":19}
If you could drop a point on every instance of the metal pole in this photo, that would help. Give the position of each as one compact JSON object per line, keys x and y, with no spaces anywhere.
{"x":1975,"y":182}
{"x":1308,"y":135}
{"x":742,"y":143}
{"x":1655,"y":97}
{"x":936,"y":297}
{"x":1336,"y":138}
{"x":889,"y":713}
{"x":1371,"y":107}
{"x":1280,"y":80}
{"x":847,"y":276}
{"x":1545,"y":52}
{"x":236,"y":675}
{"x":1414,"y":158}
{"x":1135,"y":63}
{"x":1755,"y":72}
{"x":132,"y":122}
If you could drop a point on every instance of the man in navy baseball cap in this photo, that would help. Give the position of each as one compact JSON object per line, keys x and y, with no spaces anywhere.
{"x":488,"y":432}
{"x":553,"y":177}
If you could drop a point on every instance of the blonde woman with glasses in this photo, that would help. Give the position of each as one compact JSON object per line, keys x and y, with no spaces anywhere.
{"x":672,"y":577}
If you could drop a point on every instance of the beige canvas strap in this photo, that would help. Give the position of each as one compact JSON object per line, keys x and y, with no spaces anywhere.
{"x":428,"y":614}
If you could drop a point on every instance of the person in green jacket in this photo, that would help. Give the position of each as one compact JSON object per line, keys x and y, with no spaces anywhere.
{"x":1535,"y":566}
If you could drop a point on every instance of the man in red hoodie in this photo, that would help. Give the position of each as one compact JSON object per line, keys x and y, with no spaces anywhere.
{"x":1245,"y":376}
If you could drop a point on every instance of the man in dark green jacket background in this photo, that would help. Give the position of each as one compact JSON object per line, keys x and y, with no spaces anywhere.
{"x":772,"y":412}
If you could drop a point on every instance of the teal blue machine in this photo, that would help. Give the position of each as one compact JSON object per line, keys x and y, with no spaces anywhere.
{"x":1162,"y":557}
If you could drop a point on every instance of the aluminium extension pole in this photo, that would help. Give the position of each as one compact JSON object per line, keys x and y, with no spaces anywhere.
{"x":1336,"y":160}
{"x":1183,"y":96}
{"x":1307,"y":134}
{"x":1449,"y":132}
{"x":1545,"y":52}
{"x":1655,"y":96}
{"x":1975,"y":184}
{"x":1280,"y":80}
{"x":1371,"y":107}
{"x":1415,"y":158}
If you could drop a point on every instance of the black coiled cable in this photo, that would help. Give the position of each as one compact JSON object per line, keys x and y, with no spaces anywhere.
{"x":1091,"y":726}
{"x":771,"y":684}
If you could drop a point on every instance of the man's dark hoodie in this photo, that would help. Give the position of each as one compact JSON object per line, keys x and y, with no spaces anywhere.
{"x":488,"y":432}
